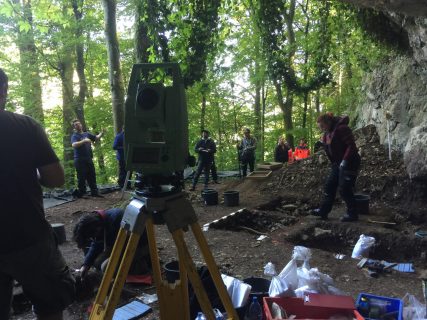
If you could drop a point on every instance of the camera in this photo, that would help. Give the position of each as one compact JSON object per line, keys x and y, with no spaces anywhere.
{"x":156,"y":121}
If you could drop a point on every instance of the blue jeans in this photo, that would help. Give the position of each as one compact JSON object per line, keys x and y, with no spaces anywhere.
{"x":344,"y":181}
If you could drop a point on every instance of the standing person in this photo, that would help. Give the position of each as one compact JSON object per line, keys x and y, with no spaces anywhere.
{"x":28,"y":250}
{"x":96,"y":232}
{"x":301,"y":151}
{"x":120,"y":156}
{"x":206,"y":149}
{"x":340,"y":147}
{"x":247,"y":151}
{"x":82,"y":145}
{"x":281,"y":153}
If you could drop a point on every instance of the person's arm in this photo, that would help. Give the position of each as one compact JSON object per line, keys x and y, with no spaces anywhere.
{"x":253,"y":145}
{"x":118,"y":142}
{"x":51,"y":175}
{"x":95,"y":249}
{"x":198,"y":147}
{"x":80,"y":143}
{"x":348,"y":139}
{"x":213,"y":147}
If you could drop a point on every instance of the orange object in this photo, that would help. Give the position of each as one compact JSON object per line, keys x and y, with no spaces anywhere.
{"x":143,"y":279}
{"x":301,"y":152}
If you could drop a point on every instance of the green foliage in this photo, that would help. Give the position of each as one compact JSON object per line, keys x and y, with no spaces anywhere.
{"x":231,"y":52}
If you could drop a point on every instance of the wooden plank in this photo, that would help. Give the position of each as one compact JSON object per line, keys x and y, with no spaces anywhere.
{"x":270,"y":165}
{"x":259,"y":174}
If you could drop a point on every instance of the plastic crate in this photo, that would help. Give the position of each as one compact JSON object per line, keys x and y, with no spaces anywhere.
{"x":383,"y":306}
{"x":315,"y":306}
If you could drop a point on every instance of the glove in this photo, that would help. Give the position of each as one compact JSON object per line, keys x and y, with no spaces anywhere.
{"x":343,"y":164}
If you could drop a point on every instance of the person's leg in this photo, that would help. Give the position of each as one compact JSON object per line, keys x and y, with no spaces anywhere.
{"x":346,"y":183}
{"x":214,"y":172}
{"x":330,"y":192}
{"x":81,"y":176}
{"x":45,"y":277}
{"x":244,"y":167}
{"x":252,"y":164}
{"x":91,"y":177}
{"x":122,"y":173}
{"x":6,"y":294}
{"x":207,"y":169}
{"x":197,"y":174}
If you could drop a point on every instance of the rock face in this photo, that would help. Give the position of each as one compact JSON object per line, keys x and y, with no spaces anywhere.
{"x":408,"y":7}
{"x":396,"y":93}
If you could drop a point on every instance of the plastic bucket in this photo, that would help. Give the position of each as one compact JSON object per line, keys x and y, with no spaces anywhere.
{"x":172,"y":271}
{"x":231,"y":198}
{"x":362,"y":203}
{"x":260,"y":287}
{"x":210,"y":196}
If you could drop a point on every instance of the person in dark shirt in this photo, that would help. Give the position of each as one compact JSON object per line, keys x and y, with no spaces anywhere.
{"x":96,"y":232}
{"x":28,"y":249}
{"x":120,"y":156}
{"x":340,"y":147}
{"x":247,"y":151}
{"x":281,"y":153}
{"x":82,"y":145}
{"x":206,"y":149}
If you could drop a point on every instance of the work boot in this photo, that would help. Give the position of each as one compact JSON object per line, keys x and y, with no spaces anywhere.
{"x":349,"y":218}
{"x":317,"y":213}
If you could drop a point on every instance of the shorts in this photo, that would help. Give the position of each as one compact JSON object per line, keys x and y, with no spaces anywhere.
{"x":45,"y":277}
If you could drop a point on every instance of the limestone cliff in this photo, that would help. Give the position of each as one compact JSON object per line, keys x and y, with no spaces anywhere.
{"x":396,"y":93}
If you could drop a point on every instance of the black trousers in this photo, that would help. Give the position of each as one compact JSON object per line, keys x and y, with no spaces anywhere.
{"x":202,"y":166}
{"x":214,"y":172}
{"x":248,"y":161}
{"x":86,"y":172}
{"x":122,"y":173}
{"x":344,"y":181}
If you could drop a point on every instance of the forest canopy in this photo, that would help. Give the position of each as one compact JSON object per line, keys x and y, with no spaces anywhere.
{"x":269,"y":65}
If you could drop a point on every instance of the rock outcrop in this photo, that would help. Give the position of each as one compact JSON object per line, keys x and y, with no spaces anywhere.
{"x":396,"y":93}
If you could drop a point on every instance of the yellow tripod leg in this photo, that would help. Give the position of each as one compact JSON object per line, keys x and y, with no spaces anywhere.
{"x":184,"y":256}
{"x":213,"y":269}
{"x":107,"y":312}
{"x":98,"y":306}
{"x":173,"y":298}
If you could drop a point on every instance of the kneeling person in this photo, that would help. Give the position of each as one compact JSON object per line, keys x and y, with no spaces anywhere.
{"x":95,"y":233}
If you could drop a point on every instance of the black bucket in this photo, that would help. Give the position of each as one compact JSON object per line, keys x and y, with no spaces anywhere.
{"x":231,"y":198}
{"x":210,"y":196}
{"x":260,"y":287}
{"x":362,"y":203}
{"x":172,"y":271}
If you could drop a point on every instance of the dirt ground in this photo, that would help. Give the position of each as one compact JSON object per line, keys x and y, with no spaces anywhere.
{"x":279,"y":207}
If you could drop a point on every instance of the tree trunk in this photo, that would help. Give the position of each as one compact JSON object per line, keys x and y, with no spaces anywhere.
{"x":142,"y":40}
{"x":115,"y":71}
{"x":264,"y":98}
{"x":318,"y":101}
{"x":304,"y":114}
{"x":286,"y":107}
{"x":29,"y":65}
{"x":80,"y":66}
{"x":257,"y":105}
{"x":203,"y":112}
{"x":66,"y":74}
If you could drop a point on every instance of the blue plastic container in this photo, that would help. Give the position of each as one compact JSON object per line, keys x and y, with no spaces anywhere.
{"x":373,"y":307}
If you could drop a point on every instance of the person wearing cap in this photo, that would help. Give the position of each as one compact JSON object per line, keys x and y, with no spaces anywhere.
{"x":206,"y":149}
{"x":247,"y":151}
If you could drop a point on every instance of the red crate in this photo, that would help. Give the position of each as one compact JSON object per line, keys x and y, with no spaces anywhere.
{"x":314,"y":306}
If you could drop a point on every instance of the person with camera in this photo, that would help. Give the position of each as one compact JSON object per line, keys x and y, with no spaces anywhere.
{"x":29,"y":252}
{"x":340,"y":147}
{"x":96,"y":232}
{"x":206,"y":149}
{"x":82,"y":145}
{"x":247,"y":151}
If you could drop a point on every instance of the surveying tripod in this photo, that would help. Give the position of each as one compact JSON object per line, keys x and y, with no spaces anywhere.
{"x":169,"y":207}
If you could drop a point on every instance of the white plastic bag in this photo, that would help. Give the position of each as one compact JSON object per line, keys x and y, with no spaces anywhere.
{"x":362,"y":247}
{"x":303,"y":254}
{"x":270,"y":269}
{"x":279,"y":288}
{"x":413,"y":310}
{"x":289,"y":275}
